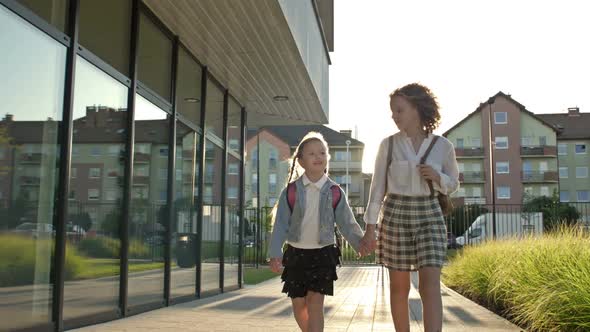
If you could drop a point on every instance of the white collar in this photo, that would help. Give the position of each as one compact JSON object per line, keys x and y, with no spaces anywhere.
{"x":319,"y":183}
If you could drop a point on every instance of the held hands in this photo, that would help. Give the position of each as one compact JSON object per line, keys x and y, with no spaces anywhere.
{"x":275,"y":264}
{"x":368,"y":242}
{"x":428,"y":173}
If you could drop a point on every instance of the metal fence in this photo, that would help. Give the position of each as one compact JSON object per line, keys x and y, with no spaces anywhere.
{"x":466,"y":225}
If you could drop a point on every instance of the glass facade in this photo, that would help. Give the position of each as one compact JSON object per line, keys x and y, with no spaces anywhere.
{"x":31,"y":90}
{"x":52,"y":105}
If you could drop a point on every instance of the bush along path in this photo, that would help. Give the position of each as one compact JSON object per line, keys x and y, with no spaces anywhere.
{"x":540,"y":283}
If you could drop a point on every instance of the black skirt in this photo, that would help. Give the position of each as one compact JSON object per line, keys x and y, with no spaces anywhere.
{"x":309,"y":270}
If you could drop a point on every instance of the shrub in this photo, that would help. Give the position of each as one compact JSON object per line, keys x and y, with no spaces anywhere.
{"x":541,"y":283}
{"x":107,"y":247}
{"x":19,"y":265}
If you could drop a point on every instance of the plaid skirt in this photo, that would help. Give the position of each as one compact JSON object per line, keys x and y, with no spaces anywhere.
{"x":412,"y":233}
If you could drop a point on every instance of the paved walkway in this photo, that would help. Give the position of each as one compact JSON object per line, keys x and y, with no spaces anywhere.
{"x":360,"y":304}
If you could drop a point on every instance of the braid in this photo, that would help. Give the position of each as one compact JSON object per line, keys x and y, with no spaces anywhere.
{"x":291,"y":171}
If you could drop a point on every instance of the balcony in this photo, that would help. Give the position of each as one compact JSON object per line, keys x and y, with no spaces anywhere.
{"x":469,"y":152}
{"x":539,"y":176}
{"x":472,"y":177}
{"x":538,"y":151}
{"x":142,"y":158}
{"x":338,"y":165}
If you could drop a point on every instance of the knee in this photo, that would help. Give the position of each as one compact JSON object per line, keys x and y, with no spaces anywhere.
{"x":399,"y":291}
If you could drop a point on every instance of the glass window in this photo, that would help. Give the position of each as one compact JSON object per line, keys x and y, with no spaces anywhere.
{"x":564,"y":196}
{"x":562,"y":149}
{"x":563,"y":172}
{"x":476,"y":192}
{"x":500,"y":117}
{"x":502,"y":142}
{"x":582,"y":172}
{"x":148,"y":219}
{"x":580,"y":148}
{"x":542,"y":140}
{"x":502,"y":167}
{"x":73,"y":172}
{"x":232,"y":224}
{"x":94,"y":173}
{"x":526,"y":141}
{"x":545,"y":191}
{"x":461,"y":167}
{"x":233,"y":168}
{"x":109,"y":41}
{"x":184,"y":225}
{"x":188,"y":87}
{"x":342,"y":156}
{"x":55,"y":12}
{"x":476,"y":142}
{"x":503,"y":192}
{"x":155,"y":58}
{"x":460,"y":143}
{"x":210,"y":254}
{"x":95,"y":133}
{"x":234,"y":129}
{"x":214,"y":110}
{"x":31,"y":93}
{"x":583,"y":196}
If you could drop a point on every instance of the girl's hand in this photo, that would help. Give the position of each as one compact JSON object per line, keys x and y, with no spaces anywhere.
{"x":368,"y":241}
{"x":276,"y":265}
{"x":429,"y":173}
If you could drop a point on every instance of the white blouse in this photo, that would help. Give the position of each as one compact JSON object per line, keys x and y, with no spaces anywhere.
{"x":403,"y":177}
{"x":310,"y":225}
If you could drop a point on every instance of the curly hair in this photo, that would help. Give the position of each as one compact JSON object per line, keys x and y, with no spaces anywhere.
{"x":425,"y":102}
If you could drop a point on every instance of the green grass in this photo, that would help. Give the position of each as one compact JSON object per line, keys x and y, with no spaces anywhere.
{"x":254,"y":276}
{"x":540,"y":283}
{"x":104,"y":267}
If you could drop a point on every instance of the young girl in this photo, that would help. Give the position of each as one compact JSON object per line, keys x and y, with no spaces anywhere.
{"x":412,"y":233}
{"x":308,"y":227}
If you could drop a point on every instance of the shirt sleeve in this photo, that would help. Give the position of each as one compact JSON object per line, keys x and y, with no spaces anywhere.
{"x":378,"y":190}
{"x":449,"y":175}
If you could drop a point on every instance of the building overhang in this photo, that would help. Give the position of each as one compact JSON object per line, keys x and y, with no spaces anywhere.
{"x":248,"y":46}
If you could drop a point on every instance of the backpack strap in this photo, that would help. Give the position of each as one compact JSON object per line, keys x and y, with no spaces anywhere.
{"x":423,"y":160}
{"x":291,"y":195}
{"x":336,"y":195}
{"x":389,"y":157}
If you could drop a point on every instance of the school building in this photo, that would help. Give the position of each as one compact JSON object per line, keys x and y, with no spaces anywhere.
{"x":122,"y":145}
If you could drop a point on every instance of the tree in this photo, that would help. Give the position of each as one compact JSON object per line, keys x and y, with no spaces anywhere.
{"x":554,"y":211}
{"x":82,"y":220}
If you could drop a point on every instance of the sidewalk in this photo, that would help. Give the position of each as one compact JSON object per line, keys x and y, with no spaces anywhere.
{"x":360,"y":304}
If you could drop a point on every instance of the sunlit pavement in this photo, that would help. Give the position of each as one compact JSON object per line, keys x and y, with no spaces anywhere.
{"x":360,"y":304}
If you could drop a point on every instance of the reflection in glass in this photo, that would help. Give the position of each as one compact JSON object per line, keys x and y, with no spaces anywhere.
{"x":96,"y":189}
{"x":149,"y":219}
{"x":232,"y":222}
{"x":53,"y":11}
{"x":234,"y":122}
{"x":210,"y":252}
{"x":214,"y":110}
{"x":155,"y":57}
{"x":31,"y":91}
{"x":110,"y":41}
{"x":188,"y":87}
{"x":184,"y":227}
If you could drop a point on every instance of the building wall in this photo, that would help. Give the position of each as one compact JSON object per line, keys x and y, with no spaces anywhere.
{"x":571,"y":160}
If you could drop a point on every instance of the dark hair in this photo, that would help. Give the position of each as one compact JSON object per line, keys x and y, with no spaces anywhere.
{"x":310,"y":137}
{"x":424,"y":101}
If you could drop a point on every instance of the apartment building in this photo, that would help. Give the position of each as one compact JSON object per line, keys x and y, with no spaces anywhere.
{"x":573,"y":140}
{"x":269,"y":151}
{"x":518,"y":146}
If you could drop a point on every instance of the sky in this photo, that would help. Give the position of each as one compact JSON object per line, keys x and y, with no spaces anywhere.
{"x":464,"y":51}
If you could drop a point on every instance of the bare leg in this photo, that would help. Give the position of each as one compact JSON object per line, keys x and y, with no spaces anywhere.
{"x":399,"y":291}
{"x":315,"y":311}
{"x":300,"y":312}
{"x":431,"y":298}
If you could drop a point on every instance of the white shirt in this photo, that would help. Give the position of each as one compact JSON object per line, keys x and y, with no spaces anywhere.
{"x":403,"y":177}
{"x":310,"y":225}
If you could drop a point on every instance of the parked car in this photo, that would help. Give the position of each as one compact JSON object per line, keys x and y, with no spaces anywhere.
{"x":35,"y":230}
{"x":452,"y":241}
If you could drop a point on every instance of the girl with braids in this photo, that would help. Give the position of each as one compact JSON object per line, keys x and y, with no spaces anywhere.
{"x":308,"y":228}
{"x":412,"y":168}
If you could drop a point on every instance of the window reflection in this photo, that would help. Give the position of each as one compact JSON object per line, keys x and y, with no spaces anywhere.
{"x":149,"y":219}
{"x":96,"y":190}
{"x":31,"y":91}
{"x":210,"y":252}
{"x":184,"y":227}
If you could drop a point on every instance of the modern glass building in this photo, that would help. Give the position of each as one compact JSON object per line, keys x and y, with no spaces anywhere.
{"x":122,"y":129}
